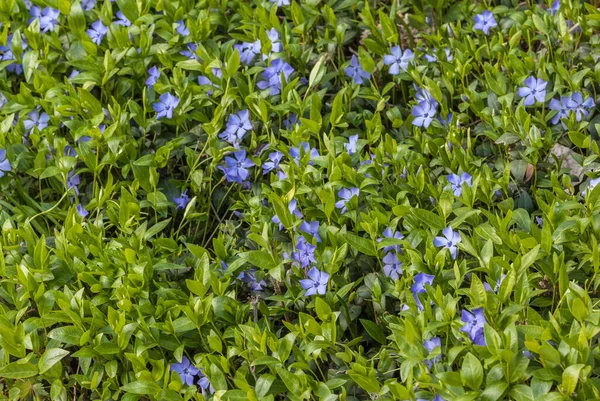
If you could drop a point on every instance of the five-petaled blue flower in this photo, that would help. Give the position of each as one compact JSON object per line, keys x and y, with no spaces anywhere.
{"x":388,"y":233}
{"x":392,"y":267}
{"x":273,"y":36}
{"x":236,"y":127}
{"x":555,"y":7}
{"x":351,"y":145}
{"x":457,"y":181}
{"x":153,"y":75}
{"x":398,"y":60}
{"x":249,"y":277}
{"x":236,"y":167}
{"x":561,"y":108}
{"x":311,"y":228}
{"x":345,"y":195}
{"x":450,"y":240}
{"x":418,"y":287}
{"x":474,"y":323}
{"x":73,"y":181}
{"x":534,"y":90}
{"x":204,"y":384}
{"x":190,"y":52}
{"x":272,"y":76}
{"x":290,"y":121}
{"x":186,"y":371}
{"x":4,"y":163}
{"x":316,"y":283}
{"x":166,"y":105}
{"x":182,"y":201}
{"x":36,"y":119}
{"x":97,"y":32}
{"x":87,"y":5}
{"x":303,"y":149}
{"x":424,"y":112}
{"x":305,"y":252}
{"x":580,"y":106}
{"x":122,"y":19}
{"x":273,"y":163}
{"x":248,"y":50}
{"x":81,"y":211}
{"x":356,"y":72}
{"x":8,"y":55}
{"x":181,"y":28}
{"x":485,"y":21}
{"x":48,"y":17}
{"x":430,"y":345}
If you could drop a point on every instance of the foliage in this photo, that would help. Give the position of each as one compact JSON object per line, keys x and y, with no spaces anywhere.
{"x":324,"y":200}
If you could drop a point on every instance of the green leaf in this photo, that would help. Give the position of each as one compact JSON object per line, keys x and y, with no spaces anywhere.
{"x":374,"y":331}
{"x":361,"y":244}
{"x":18,"y":370}
{"x":323,"y":309}
{"x":263,"y":384}
{"x":570,"y":378}
{"x":430,"y":219}
{"x":471,"y":372}
{"x":70,"y":335}
{"x":141,"y":387}
{"x":50,"y":358}
{"x":260,"y":259}
{"x":317,"y":73}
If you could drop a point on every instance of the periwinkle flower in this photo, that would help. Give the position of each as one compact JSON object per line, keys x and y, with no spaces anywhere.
{"x":436,"y":398}
{"x":48,"y":17}
{"x":122,"y":19}
{"x":430,"y":345}
{"x":82,"y":211}
{"x":69,"y":151}
{"x":418,"y":287}
{"x":249,"y":277}
{"x":153,"y":75}
{"x":591,"y":185}
{"x":202,"y":80}
{"x":97,"y":32}
{"x":446,"y":123}
{"x":290,"y":121}
{"x":555,"y":7}
{"x":205,"y":385}
{"x":356,"y":72}
{"x":392,"y":267}
{"x":351,"y":145}
{"x":305,"y":253}
{"x":450,"y":241}
{"x":272,"y":76}
{"x":73,"y":181}
{"x":186,"y":371}
{"x":190,"y":52}
{"x":398,"y":60}
{"x":456,"y":182}
{"x":73,"y":74}
{"x":3,"y":100}
{"x":87,"y":5}
{"x":281,"y":2}
{"x":36,"y":119}
{"x":496,"y":287}
{"x":534,"y":90}
{"x":303,"y":149}
{"x":237,"y":126}
{"x":345,"y":195}
{"x":181,"y":28}
{"x":273,"y":163}
{"x":316,"y":283}
{"x":424,"y":113}
{"x":580,"y":106}
{"x":4,"y":163}
{"x":561,"y":108}
{"x":473,"y":325}
{"x":182,"y":201}
{"x":248,"y":50}
{"x":311,"y":228}
{"x":8,"y":55}
{"x":273,"y":36}
{"x":485,"y":21}
{"x":217,"y":72}
{"x":165,"y":106}
{"x":388,"y":233}
{"x":236,"y":167}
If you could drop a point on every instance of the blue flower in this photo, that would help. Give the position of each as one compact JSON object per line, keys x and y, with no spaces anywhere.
{"x":305,"y":253}
{"x":273,"y":36}
{"x":236,"y":169}
{"x":345,"y":195}
{"x":73,"y":181}
{"x":316,"y":283}
{"x":182,"y":200}
{"x":496,"y":287}
{"x":190,"y":52}
{"x":281,"y":2}
{"x":202,"y":80}
{"x":356,"y":72}
{"x":165,"y":106}
{"x":351,"y":145}
{"x":36,"y":119}
{"x":436,"y":398}
{"x":153,"y":75}
{"x":450,"y":241}
{"x":485,"y":21}
{"x":217,"y":72}
{"x":81,"y":211}
{"x":473,"y":325}
{"x":185,"y":370}
{"x":273,"y":163}
{"x":249,"y":277}
{"x":272,"y":76}
{"x":248,"y":51}
{"x":8,"y":55}
{"x":456,"y":182}
{"x":73,"y":74}
{"x":555,"y":7}
{"x":122,"y":20}
{"x":48,"y":17}
{"x":4,"y":163}
{"x":311,"y":228}
{"x":445,"y":121}
{"x":430,"y":345}
{"x":534,"y":90}
{"x":293,"y":208}
{"x":423,"y":95}
{"x":392,"y":267}
{"x":418,"y":287}
{"x":97,"y":32}
{"x":236,"y":127}
{"x":181,"y":28}
{"x":424,"y":113}
{"x":303,"y":149}
{"x":3,"y":100}
{"x":290,"y":121}
{"x":591,"y":185}
{"x":87,"y":5}
{"x":387,"y":233}
{"x":398,"y":60}
{"x":204,"y":384}
{"x":561,"y":108}
{"x":580,"y":106}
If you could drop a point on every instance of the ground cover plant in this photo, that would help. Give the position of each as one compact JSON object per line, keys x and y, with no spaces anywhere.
{"x":299,"y":200}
